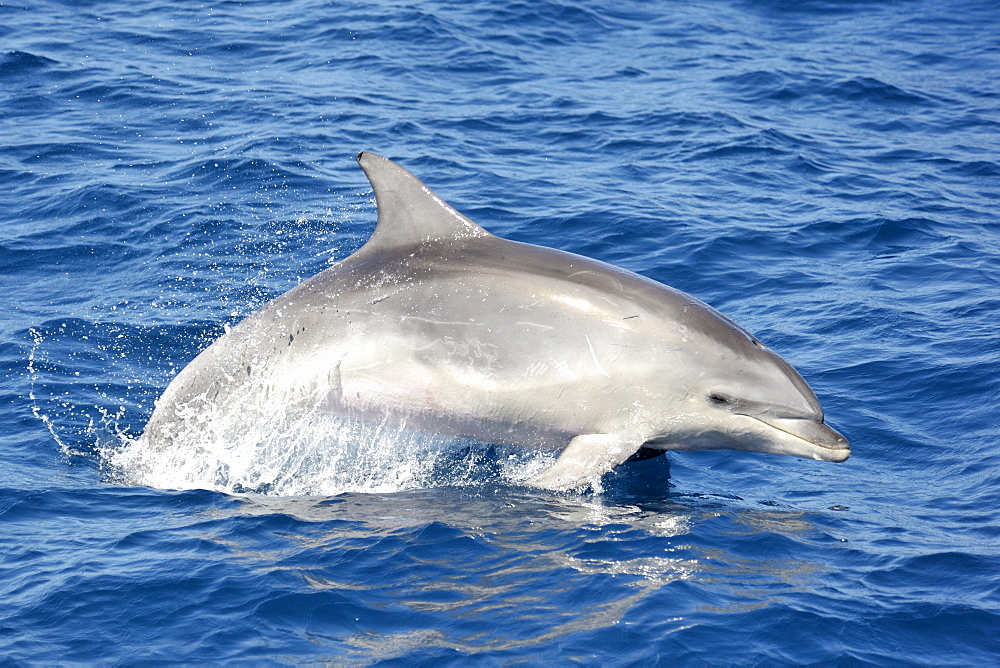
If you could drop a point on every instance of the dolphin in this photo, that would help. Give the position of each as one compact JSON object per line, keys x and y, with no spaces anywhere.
{"x":440,"y":326}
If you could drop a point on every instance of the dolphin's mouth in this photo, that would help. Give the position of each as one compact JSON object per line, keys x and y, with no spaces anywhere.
{"x":830,"y":445}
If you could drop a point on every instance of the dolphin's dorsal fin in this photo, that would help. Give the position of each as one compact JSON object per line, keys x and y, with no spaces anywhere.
{"x":409,"y":213}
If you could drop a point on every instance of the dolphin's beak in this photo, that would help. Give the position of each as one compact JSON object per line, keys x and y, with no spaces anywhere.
{"x":830,"y":445}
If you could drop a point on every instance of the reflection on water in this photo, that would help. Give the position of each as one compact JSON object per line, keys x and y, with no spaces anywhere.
{"x":535,"y":567}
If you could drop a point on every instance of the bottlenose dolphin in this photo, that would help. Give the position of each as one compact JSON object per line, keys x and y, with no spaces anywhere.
{"x":439,"y":325}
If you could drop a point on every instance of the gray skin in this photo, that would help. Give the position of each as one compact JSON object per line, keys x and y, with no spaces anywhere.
{"x":436,"y":324}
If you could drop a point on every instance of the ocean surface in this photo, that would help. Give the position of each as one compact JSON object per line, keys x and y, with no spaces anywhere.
{"x":824,"y":172}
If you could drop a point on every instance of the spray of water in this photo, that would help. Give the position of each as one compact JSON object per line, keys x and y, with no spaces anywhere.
{"x":319,"y":455}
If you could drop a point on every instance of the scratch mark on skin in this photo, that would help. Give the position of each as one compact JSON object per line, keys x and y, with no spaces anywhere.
{"x":618,"y":325}
{"x":433,"y":321}
{"x":381,"y":298}
{"x":629,"y":317}
{"x":536,"y":369}
{"x":593,"y":354}
{"x":534,"y":324}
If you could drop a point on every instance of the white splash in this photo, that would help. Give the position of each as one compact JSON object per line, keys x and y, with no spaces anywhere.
{"x":317,"y":455}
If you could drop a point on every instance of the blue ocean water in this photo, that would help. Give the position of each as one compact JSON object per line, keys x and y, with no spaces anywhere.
{"x":825,"y":172}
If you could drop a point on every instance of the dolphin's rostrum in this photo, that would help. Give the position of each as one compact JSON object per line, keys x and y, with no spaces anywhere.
{"x":437,"y":324}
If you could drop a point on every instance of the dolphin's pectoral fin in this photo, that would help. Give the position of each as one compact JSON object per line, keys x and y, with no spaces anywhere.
{"x":587,"y":456}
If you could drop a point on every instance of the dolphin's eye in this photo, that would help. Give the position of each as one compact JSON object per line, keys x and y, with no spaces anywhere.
{"x":720,"y":399}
